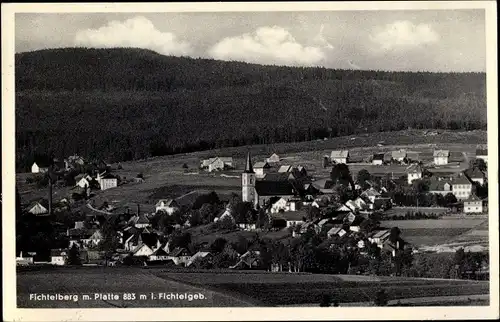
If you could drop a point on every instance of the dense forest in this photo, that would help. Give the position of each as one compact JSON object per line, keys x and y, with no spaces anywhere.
{"x":123,"y":104}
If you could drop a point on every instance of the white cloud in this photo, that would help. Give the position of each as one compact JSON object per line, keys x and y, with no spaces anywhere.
{"x":135,"y":32}
{"x":321,"y":40}
{"x":267,"y":45}
{"x":403,"y":34}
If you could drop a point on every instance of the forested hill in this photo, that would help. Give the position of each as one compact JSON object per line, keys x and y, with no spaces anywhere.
{"x":121,"y":104}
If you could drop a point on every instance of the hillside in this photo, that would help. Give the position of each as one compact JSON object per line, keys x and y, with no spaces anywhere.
{"x":123,"y":104}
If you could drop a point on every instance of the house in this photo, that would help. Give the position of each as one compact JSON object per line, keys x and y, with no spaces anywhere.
{"x":83,"y":181}
{"x":267,"y":189}
{"x":475,"y":175}
{"x":336,"y":231}
{"x":378,"y":159}
{"x":371,"y":194}
{"x":285,"y":169}
{"x":39,"y":208}
{"x":442,"y":187}
{"x":95,"y":239}
{"x":24,"y":260}
{"x":106,"y":181}
{"x":414,"y":172}
{"x":482,"y":154}
{"x":58,"y":256}
{"x":74,"y":160}
{"x":40,"y":167}
{"x":247,"y":226}
{"x":59,"y":165}
{"x":249,"y":260}
{"x":139,"y":221}
{"x":217,"y":163}
{"x":354,"y":225}
{"x":292,"y":218}
{"x":462,"y":187}
{"x":167,"y":205}
{"x":399,"y":155}
{"x":379,"y":237}
{"x":273,"y":158}
{"x":198,"y":256}
{"x":320,"y":203}
{"x":261,"y":168}
{"x":180,"y":256}
{"x":142,"y":250}
{"x":341,"y":156}
{"x":473,"y":205}
{"x":285,"y":204}
{"x":441,"y":157}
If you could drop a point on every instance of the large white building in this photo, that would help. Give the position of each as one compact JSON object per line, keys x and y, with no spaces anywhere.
{"x":473,"y":205}
{"x":341,"y":156}
{"x":441,"y":157}
{"x":462,"y":187}
{"x":414,"y":172}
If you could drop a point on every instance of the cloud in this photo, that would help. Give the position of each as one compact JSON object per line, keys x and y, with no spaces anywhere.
{"x":134,"y":32}
{"x":403,"y":34}
{"x":267,"y":45}
{"x":321,"y":40}
{"x":353,"y":65}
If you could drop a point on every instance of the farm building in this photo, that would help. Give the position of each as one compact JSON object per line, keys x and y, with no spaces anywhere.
{"x":217,"y":163}
{"x":40,"y":167}
{"x":199,"y":256}
{"x":399,"y":155}
{"x":379,"y":237}
{"x":273,"y":158}
{"x":285,"y":169}
{"x":58,"y":256}
{"x":441,"y":157}
{"x":284,"y":204}
{"x":249,"y":260}
{"x":167,"y":205}
{"x":158,"y":255}
{"x":180,"y":256}
{"x":414,"y":172}
{"x":341,"y":156}
{"x":261,"y":168}
{"x":475,"y":175}
{"x":371,"y":194}
{"x":106,"y":181}
{"x":139,"y":221}
{"x":462,"y":187}
{"x":24,"y":260}
{"x":83,"y":181}
{"x":473,"y":205}
{"x":378,"y":159}
{"x":39,"y":208}
{"x":142,"y":250}
{"x":482,"y":154}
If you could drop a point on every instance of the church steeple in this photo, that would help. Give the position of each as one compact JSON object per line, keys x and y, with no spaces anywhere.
{"x":249,"y":167}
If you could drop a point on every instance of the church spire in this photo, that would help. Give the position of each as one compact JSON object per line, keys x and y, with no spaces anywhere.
{"x":249,"y":167}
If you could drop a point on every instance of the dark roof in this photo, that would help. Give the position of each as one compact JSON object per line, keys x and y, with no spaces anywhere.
{"x":179,"y":252}
{"x":108,"y":176}
{"x":357,"y":220}
{"x":474,"y":173}
{"x":378,"y":156}
{"x":79,"y":232}
{"x":280,"y":176}
{"x":58,"y":252}
{"x":248,"y":166}
{"x":436,"y":185}
{"x":291,"y":215}
{"x":461,"y":180}
{"x":472,"y":198}
{"x":274,"y":188}
{"x":482,"y":152}
{"x":160,"y":252}
{"x":149,"y":239}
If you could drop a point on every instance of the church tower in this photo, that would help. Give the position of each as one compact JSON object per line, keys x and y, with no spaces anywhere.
{"x":248,"y":182}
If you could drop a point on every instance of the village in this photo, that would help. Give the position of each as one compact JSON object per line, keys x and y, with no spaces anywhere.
{"x":278,"y":201}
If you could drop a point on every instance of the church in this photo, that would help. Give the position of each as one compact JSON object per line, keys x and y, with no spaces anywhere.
{"x":264,"y":191}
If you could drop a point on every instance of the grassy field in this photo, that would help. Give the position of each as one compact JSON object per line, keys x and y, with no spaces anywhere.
{"x":89,"y":281}
{"x":223,"y":288}
{"x":429,"y":232}
{"x":401,"y":211}
{"x":277,"y":289}
{"x":164,"y":176}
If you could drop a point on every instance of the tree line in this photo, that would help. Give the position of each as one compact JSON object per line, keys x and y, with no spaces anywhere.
{"x":125,"y":104}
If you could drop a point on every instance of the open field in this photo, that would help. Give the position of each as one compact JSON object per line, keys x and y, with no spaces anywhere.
{"x":429,"y":232}
{"x":279,"y":289}
{"x":164,"y":176}
{"x":224,"y":288}
{"x":401,"y":211}
{"x":89,"y":281}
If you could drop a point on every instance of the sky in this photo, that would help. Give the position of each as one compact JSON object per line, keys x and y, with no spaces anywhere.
{"x":419,"y":40}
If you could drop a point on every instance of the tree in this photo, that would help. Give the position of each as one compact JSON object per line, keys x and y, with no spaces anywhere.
{"x":241,"y":245}
{"x":326,"y":300}
{"x":211,"y":198}
{"x":195,"y":218}
{"x":140,"y":176}
{"x":110,"y":241}
{"x":363,"y":176}
{"x":207,"y":213}
{"x":340,"y":174}
{"x":181,"y":240}
{"x":243,"y":212}
{"x":185,"y":166}
{"x":381,"y":298}
{"x":450,"y":199}
{"x":74,"y":256}
{"x":479,"y":164}
{"x":313,"y":213}
{"x":226,"y":223}
{"x":218,"y":245}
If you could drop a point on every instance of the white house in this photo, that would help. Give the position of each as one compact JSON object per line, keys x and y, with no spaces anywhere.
{"x":142,"y":250}
{"x":399,"y":155}
{"x":462,"y":187}
{"x":379,"y":237}
{"x":58,"y":256}
{"x":217,"y":163}
{"x":83,"y":182}
{"x":261,"y":168}
{"x":106,"y":181}
{"x":158,"y":255}
{"x":167,"y":205}
{"x":39,"y":168}
{"x":414,"y":172}
{"x":441,"y":157}
{"x":273,"y":158}
{"x":473,"y":205}
{"x":341,"y":156}
{"x":24,"y":260}
{"x":371,"y":194}
{"x":38,"y":208}
{"x":285,"y":205}
{"x":378,"y":159}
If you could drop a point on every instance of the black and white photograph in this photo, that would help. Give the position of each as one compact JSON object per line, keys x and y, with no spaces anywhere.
{"x":315,"y":158}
